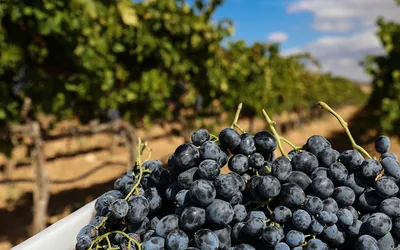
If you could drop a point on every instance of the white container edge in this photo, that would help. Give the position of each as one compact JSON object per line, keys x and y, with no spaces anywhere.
{"x":62,"y":234}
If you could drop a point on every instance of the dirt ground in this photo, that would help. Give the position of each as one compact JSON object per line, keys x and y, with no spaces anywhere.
{"x":78,"y":179}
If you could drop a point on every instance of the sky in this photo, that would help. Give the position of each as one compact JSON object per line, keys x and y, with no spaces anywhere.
{"x":337,"y":32}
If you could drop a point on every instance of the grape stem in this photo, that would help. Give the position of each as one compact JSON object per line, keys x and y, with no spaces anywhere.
{"x":344,"y":124}
{"x":235,"y":121}
{"x":272,"y":128}
{"x":297,"y":148}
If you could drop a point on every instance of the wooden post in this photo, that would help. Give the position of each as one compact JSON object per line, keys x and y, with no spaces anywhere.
{"x":41,"y":190}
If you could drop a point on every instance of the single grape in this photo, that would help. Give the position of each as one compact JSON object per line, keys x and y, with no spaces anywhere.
{"x":345,"y":217}
{"x":366,"y":242}
{"x":119,"y":208}
{"x":323,"y":217}
{"x":369,"y":170}
{"x":327,"y":157}
{"x":256,"y":161}
{"x":281,"y":214}
{"x":219,"y":213}
{"x":390,"y":155}
{"x":246,"y":145}
{"x":379,"y":224}
{"x":281,"y":168}
{"x":316,"y":143}
{"x":224,"y":237}
{"x":192,"y":218}
{"x":103,"y":203}
{"x":352,"y":159}
{"x":255,"y":214}
{"x":315,"y":227}
{"x":322,"y":187}
{"x":386,"y":242}
{"x":200,"y":136}
{"x":202,"y":192}
{"x":240,"y":213}
{"x":301,"y":219}
{"x":83,"y":242}
{"x":153,"y":243}
{"x":313,"y":205}
{"x":294,"y":238}
{"x":382,"y":144}
{"x":344,"y":196}
{"x":305,"y":162}
{"x":186,"y":178}
{"x":229,"y":138}
{"x":391,"y":167}
{"x":167,"y":224}
{"x":299,"y":178}
{"x":208,"y":169}
{"x":271,"y":236}
{"x":386,"y":187}
{"x":282,"y":246}
{"x":265,"y":141}
{"x":252,"y":228}
{"x":210,"y":151}
{"x":206,"y":239}
{"x":316,"y":244}
{"x":139,"y":208}
{"x":390,"y":207}
{"x":269,"y":187}
{"x":338,"y":172}
{"x":187,"y":155}
{"x":238,"y":163}
{"x":291,"y":195}
{"x":177,"y":240}
{"x":226,"y":185}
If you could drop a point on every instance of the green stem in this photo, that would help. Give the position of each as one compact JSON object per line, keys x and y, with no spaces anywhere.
{"x":297,"y":148}
{"x":238,"y":127}
{"x":272,"y":128}
{"x":346,"y":128}
{"x":239,"y":109}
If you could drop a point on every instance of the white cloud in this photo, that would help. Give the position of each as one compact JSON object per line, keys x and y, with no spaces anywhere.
{"x":341,"y":54}
{"x":345,"y":15}
{"x":278,"y":37}
{"x":355,"y":19}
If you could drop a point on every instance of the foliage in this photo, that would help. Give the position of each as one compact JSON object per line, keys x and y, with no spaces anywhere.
{"x":385,"y":70}
{"x":80,"y":58}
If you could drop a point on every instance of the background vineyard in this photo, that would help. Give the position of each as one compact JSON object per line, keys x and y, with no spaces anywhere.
{"x":167,"y":63}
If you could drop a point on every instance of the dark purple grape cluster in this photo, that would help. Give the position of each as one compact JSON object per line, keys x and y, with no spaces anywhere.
{"x":314,"y":198}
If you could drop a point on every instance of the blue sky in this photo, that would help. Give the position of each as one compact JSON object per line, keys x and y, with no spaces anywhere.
{"x":337,"y":32}
{"x":255,"y":21}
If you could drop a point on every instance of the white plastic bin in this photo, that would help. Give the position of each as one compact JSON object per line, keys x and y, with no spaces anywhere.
{"x":62,"y":234}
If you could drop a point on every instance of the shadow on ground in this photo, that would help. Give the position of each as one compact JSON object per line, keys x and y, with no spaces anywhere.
{"x":15,"y":222}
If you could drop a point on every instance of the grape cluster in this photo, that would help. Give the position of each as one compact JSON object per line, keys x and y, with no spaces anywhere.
{"x":314,"y":198}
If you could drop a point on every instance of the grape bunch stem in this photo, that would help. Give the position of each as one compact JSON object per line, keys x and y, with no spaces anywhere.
{"x":344,"y":124}
{"x":236,"y":119}
{"x":272,"y":128}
